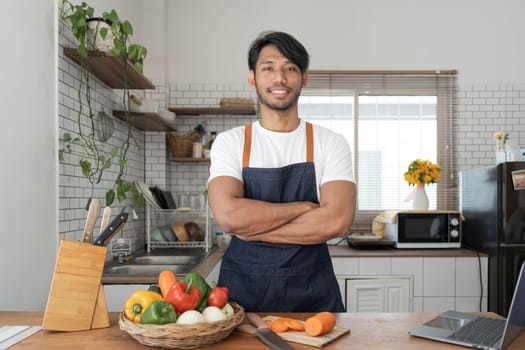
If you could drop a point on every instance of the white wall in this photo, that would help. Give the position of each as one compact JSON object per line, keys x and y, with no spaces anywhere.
{"x":28,"y":207}
{"x":483,"y":39}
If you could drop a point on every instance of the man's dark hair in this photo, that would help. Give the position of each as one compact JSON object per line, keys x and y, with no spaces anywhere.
{"x":286,"y":44}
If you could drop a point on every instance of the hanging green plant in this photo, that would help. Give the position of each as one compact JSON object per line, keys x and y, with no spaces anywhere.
{"x":95,"y":157}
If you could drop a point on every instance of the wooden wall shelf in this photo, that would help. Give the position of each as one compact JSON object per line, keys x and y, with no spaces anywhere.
{"x":191,"y":160}
{"x":145,"y":121}
{"x":110,"y":70}
{"x":182,"y":111}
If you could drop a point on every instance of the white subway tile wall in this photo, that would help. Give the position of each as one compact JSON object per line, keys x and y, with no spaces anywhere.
{"x":193,"y":177}
{"x":483,"y":110}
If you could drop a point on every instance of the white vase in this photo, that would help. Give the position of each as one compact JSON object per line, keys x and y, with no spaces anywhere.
{"x":420,"y":201}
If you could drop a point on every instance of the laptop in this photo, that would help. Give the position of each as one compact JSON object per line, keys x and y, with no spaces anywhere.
{"x":480,"y":332}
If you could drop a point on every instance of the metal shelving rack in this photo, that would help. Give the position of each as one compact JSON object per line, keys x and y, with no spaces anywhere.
{"x":161,"y":217}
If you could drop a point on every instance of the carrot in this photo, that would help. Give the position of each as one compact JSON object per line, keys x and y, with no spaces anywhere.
{"x":319,"y":324}
{"x":293,"y":324}
{"x":166,"y":280}
{"x":269,"y":323}
{"x":279,"y":326}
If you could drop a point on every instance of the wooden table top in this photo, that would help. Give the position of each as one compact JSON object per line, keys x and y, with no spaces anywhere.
{"x":377,"y":331}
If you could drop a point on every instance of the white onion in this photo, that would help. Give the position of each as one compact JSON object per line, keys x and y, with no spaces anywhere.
{"x":190,"y":317}
{"x":213,"y":313}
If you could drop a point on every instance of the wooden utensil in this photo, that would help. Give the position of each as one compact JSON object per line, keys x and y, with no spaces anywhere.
{"x":91,"y":220}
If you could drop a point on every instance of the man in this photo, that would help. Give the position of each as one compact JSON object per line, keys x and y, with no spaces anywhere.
{"x":282,"y":187}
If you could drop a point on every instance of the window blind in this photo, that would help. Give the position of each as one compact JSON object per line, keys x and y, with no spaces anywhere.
{"x":404,"y":105}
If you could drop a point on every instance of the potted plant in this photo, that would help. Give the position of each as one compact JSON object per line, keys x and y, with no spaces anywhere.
{"x":95,"y":158}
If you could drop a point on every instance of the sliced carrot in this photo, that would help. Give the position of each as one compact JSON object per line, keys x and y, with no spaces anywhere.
{"x":279,"y":326}
{"x":319,"y":324}
{"x":166,"y":280}
{"x":269,"y":323}
{"x":293,"y":324}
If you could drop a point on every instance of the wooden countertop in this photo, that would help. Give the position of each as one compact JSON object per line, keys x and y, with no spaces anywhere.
{"x":378,"y":331}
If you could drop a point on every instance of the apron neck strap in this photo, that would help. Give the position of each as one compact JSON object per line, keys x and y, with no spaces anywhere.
{"x":248,"y":144}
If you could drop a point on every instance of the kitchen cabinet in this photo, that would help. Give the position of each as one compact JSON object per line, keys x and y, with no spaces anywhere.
{"x":438,"y":282}
{"x":378,"y":294}
{"x":110,"y":70}
{"x":117,"y":294}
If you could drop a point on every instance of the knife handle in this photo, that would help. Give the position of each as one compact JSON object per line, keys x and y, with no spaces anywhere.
{"x":106,"y":215}
{"x":91,"y":220}
{"x":108,"y":233}
{"x":256,"y":320}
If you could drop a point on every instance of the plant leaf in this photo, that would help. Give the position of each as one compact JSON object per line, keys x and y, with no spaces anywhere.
{"x":138,"y":200}
{"x":127,"y":28}
{"x":86,"y":167}
{"x":110,"y":197}
{"x":107,"y":164}
{"x":88,"y":203}
{"x":104,"y":32}
{"x":67,"y":137}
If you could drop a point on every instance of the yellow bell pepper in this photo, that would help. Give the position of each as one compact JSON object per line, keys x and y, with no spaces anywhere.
{"x":138,"y":302}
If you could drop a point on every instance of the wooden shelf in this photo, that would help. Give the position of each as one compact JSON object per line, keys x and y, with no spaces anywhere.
{"x":145,"y":121}
{"x":110,"y":70}
{"x":192,"y":160}
{"x":182,"y":111}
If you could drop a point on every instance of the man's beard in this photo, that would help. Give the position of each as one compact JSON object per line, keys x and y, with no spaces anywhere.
{"x":279,"y":107}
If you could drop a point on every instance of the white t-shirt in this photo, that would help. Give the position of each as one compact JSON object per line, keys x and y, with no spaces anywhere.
{"x":270,"y":149}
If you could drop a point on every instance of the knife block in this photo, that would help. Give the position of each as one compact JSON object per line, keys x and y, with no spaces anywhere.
{"x":76,"y":298}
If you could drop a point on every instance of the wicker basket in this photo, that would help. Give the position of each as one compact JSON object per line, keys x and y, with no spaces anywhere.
{"x":180,"y":146}
{"x":178,"y":336}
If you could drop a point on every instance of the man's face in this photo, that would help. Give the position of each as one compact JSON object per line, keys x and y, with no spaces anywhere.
{"x":278,"y":81}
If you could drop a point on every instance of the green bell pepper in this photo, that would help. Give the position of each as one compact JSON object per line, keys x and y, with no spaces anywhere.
{"x":203,"y":287}
{"x":159,"y":312}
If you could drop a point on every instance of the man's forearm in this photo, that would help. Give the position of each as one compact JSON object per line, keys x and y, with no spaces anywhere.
{"x":331,"y":219}
{"x":248,"y":217}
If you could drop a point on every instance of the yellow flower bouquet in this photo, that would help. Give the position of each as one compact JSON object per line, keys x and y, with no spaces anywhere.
{"x":421,"y":172}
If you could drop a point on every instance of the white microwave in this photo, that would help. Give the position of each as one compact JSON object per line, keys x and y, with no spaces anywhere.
{"x":425,"y":229}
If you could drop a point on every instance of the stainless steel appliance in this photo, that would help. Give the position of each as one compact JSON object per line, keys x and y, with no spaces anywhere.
{"x":492,"y":201}
{"x":425,"y":229}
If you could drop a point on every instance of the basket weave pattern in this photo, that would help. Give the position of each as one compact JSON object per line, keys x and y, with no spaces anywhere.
{"x":180,"y":146}
{"x":179,"y":336}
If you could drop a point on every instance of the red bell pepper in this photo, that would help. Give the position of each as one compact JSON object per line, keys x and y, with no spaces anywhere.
{"x":183,"y":296}
{"x":218,"y":297}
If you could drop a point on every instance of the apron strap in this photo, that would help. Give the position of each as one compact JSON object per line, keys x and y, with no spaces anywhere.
{"x":248,"y":144}
{"x":309,"y":143}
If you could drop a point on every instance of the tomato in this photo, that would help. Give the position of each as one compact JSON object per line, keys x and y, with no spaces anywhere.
{"x":218,"y":297}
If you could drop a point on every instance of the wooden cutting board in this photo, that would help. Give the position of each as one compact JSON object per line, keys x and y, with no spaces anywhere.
{"x":300,"y":337}
{"x":74,"y":291}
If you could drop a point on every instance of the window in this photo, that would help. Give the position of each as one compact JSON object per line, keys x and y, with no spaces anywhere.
{"x":389,"y":119}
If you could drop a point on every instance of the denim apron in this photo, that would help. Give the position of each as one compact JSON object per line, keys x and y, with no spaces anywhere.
{"x":274,"y":277}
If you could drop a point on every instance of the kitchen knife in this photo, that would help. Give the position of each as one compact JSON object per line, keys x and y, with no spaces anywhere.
{"x":91,"y":220}
{"x":106,"y":215}
{"x":268,"y":336}
{"x":114,"y":226}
